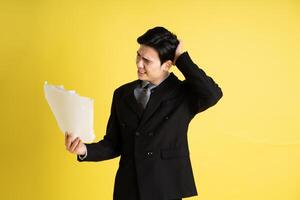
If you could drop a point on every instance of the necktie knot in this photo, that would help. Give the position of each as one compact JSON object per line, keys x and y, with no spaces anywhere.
{"x":145,"y":95}
{"x":148,"y":87}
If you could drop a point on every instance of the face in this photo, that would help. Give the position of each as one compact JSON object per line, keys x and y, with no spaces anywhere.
{"x":149,"y":66}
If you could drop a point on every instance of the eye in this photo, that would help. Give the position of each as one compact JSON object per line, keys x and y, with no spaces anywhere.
{"x":137,"y":57}
{"x":147,"y":61}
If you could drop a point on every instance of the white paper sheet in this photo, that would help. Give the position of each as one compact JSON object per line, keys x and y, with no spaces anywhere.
{"x":72,"y":112}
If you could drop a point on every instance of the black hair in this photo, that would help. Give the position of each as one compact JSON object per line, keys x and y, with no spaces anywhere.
{"x":162,"y":40}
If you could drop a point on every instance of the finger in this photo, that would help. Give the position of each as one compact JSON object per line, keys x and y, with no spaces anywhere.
{"x":69,"y":142}
{"x":66,"y":137}
{"x":179,"y":42}
{"x":70,"y":145}
{"x":74,"y":144}
{"x":78,"y":146}
{"x":67,"y":134}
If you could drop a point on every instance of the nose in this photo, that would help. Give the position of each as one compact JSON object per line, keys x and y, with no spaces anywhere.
{"x":139,"y":64}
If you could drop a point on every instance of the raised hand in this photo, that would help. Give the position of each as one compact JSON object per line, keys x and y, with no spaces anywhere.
{"x":179,"y":51}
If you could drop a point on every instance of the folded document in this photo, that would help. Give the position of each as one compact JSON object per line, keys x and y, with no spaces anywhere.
{"x":72,"y":112}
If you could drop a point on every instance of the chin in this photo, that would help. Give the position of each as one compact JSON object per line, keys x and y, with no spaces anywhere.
{"x":143,"y":77}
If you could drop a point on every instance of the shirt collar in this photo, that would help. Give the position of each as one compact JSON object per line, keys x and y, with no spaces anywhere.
{"x":144,"y":83}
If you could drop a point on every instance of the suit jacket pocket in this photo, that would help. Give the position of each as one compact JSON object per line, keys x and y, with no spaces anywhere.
{"x":174,"y":153}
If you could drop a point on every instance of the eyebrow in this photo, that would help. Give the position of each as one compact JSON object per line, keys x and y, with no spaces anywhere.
{"x":142,"y":56}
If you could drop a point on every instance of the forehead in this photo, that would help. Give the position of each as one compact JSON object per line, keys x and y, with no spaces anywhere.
{"x":147,"y":52}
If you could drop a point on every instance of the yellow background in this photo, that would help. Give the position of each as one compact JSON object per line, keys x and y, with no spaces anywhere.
{"x":246,"y":147}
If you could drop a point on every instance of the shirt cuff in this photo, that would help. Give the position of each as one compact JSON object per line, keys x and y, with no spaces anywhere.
{"x":82,"y":157}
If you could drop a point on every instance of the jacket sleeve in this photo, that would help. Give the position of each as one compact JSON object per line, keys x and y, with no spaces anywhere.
{"x":201,"y":89}
{"x":110,"y":146}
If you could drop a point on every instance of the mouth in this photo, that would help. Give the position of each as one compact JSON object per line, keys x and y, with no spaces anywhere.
{"x":141,"y":73}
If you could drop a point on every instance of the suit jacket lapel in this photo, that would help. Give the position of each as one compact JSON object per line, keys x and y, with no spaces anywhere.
{"x":131,"y":100}
{"x":157,"y":97}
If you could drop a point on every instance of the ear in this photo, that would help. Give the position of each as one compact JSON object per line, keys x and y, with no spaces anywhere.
{"x":167,"y":65}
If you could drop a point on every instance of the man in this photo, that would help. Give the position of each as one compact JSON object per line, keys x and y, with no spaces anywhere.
{"x":149,"y":121}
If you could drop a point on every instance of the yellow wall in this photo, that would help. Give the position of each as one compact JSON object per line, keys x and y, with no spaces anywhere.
{"x":246,"y":147}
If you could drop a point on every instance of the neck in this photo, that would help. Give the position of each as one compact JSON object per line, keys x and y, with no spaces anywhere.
{"x":157,"y":82}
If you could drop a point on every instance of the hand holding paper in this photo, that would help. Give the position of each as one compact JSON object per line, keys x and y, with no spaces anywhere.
{"x":72,"y":112}
{"x":75,"y":145}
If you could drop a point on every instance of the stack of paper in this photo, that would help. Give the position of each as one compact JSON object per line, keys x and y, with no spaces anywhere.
{"x":72,"y":112}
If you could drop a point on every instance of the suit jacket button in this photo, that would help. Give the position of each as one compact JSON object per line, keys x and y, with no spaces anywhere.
{"x":137,"y":133}
{"x":166,"y":117}
{"x":149,"y":153}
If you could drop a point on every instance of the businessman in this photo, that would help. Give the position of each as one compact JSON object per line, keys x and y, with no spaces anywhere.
{"x":149,"y":120}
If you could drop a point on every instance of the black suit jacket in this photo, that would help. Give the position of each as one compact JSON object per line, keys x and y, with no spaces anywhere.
{"x":155,"y":159}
